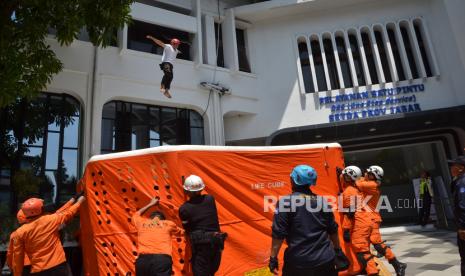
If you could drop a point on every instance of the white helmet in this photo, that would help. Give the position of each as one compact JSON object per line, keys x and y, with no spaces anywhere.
{"x":353,"y":172}
{"x":193,"y":184}
{"x":377,"y":171}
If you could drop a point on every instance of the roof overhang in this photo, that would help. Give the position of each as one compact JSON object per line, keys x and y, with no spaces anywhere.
{"x":282,"y":8}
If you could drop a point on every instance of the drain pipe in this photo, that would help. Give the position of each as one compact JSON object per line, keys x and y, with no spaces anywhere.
{"x":91,"y":102}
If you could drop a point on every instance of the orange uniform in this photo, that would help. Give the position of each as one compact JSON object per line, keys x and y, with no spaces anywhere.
{"x":350,"y":196}
{"x":27,"y":262}
{"x":40,"y":240}
{"x":154,"y":235}
{"x":9,"y":254}
{"x":366,"y":228}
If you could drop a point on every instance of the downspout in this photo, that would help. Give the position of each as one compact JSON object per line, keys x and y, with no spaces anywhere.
{"x":92,"y":100}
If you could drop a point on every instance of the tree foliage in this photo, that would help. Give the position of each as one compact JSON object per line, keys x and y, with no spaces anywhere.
{"x":27,"y":64}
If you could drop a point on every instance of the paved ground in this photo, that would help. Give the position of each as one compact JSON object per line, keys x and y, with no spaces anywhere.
{"x":427,"y":253}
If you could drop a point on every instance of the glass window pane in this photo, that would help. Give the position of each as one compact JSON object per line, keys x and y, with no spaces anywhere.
{"x":109,"y":110}
{"x":344,"y":61}
{"x":51,"y":162}
{"x":139,"y":137}
{"x":33,"y":142}
{"x":108,"y":134}
{"x":367,"y":46}
{"x":154,"y":143}
{"x":71,"y":132}
{"x":49,"y":191}
{"x":409,"y":50}
{"x":305,"y":67}
{"x":70,"y":165}
{"x":72,"y":107}
{"x":197,"y":136}
{"x":55,"y":111}
{"x":154,"y":114}
{"x":319,"y":68}
{"x":32,"y":158}
{"x":395,"y":52}
{"x":195,"y":119}
{"x":168,"y":130}
{"x":383,"y":56}
{"x":357,"y":59}
{"x":154,"y":132}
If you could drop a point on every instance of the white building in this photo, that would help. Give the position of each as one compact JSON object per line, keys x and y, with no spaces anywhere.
{"x":383,"y":78}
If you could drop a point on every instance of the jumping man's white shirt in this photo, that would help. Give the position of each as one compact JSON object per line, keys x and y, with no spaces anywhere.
{"x":169,"y":54}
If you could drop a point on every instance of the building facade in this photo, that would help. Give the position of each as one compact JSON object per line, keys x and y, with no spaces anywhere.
{"x":383,"y":78}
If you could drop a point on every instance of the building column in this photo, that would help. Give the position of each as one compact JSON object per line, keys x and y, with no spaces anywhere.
{"x":215,"y":120}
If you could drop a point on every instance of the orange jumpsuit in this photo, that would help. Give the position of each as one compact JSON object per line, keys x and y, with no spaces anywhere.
{"x":154,"y":236}
{"x":40,"y":240}
{"x":27,"y":262}
{"x":350,"y":196}
{"x":366,"y":228}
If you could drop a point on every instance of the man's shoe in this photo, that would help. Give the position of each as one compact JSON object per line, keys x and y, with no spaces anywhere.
{"x":398,"y":267}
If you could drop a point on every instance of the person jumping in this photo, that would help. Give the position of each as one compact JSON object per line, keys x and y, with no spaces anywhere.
{"x":170,"y":51}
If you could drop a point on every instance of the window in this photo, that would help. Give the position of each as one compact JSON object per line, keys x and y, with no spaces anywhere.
{"x":166,"y":6}
{"x":318,"y":63}
{"x":305,"y":66}
{"x":421,"y":44}
{"x":396,"y":53}
{"x":389,"y":37}
{"x":242,"y":51}
{"x":219,"y":45}
{"x":370,"y":57}
{"x":137,"y":32}
{"x":357,"y":59}
{"x":344,"y":61}
{"x":40,"y":150}
{"x":383,"y":55}
{"x":331,"y":63}
{"x":130,"y":126}
{"x":409,"y":50}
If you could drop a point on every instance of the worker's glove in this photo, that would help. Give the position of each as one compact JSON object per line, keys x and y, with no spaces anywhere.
{"x":273,"y":265}
{"x":341,"y":262}
{"x":346,"y":235}
{"x":78,"y":195}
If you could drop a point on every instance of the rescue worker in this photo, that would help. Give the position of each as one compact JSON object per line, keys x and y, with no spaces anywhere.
{"x":311,"y":233}
{"x":426,"y":196}
{"x":200,"y":220}
{"x":350,"y":197}
{"x":40,"y":239}
{"x":170,"y":51}
{"x":154,"y":236}
{"x":22,"y":220}
{"x":367,"y":224}
{"x":457,"y":171}
{"x":9,"y":255}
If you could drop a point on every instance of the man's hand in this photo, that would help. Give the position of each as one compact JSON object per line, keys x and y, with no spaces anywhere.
{"x":154,"y":201}
{"x":346,"y":235}
{"x":461,"y":233}
{"x":274,"y":265}
{"x":149,"y":37}
{"x":81,"y":199}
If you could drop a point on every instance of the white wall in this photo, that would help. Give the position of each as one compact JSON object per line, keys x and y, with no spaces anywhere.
{"x":274,"y":57}
{"x":270,"y":98}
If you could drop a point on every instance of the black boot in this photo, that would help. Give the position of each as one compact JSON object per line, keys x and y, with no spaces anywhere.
{"x":398,"y":266}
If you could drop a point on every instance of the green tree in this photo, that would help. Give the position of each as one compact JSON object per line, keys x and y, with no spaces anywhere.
{"x":27,"y":64}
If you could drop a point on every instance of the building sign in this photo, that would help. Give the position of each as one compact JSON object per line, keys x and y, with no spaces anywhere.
{"x":373,"y":103}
